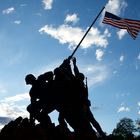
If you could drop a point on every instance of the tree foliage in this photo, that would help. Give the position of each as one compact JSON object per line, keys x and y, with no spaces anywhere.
{"x":125,"y":128}
{"x":138,"y":125}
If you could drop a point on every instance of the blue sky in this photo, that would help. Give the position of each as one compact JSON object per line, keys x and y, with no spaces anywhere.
{"x":36,"y":36}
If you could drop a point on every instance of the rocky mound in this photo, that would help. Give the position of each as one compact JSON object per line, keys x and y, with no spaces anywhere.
{"x":22,"y":129}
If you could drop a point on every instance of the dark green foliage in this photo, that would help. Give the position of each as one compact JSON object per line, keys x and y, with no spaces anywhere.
{"x":125,"y":128}
{"x":138,"y":126}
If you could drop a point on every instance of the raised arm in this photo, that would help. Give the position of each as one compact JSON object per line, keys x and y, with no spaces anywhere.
{"x":76,"y":70}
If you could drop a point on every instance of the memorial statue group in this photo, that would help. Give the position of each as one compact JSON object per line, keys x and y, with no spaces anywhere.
{"x":66,"y":91}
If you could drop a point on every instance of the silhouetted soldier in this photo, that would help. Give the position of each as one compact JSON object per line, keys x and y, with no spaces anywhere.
{"x":83,"y":89}
{"x":48,"y":97}
{"x":30,"y":79}
{"x":70,"y":109}
{"x":63,"y":77}
{"x":62,"y":82}
{"x":37,"y":92}
{"x":46,"y":82}
{"x":66,"y":68}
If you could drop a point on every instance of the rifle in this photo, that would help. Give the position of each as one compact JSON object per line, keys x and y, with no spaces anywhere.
{"x":86,"y":85}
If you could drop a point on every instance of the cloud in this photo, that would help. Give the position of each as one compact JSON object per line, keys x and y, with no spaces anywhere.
{"x":139,"y":112}
{"x":116,"y":6}
{"x":139,"y":104}
{"x":17,"y":98}
{"x":107,"y":33}
{"x":71,"y":18}
{"x":17,"y":21}
{"x":99,"y":54}
{"x":8,"y":11}
{"x":121,"y":33}
{"x":47,"y":4}
{"x":138,"y":57}
{"x":121,"y":58}
{"x":14,"y":106}
{"x":72,"y":35}
{"x":96,"y":74}
{"x":4,"y":120}
{"x":122,"y":108}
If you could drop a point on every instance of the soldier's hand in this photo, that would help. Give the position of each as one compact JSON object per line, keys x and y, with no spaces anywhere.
{"x":74,"y":60}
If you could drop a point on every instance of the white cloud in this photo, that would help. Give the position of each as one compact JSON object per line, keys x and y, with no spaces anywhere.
{"x":17,"y":21}
{"x":17,"y":98}
{"x":71,"y":18}
{"x":107,"y":33}
{"x":121,"y":33}
{"x":73,"y":35}
{"x":116,"y":6}
{"x":139,"y":104}
{"x":8,"y":11}
{"x":121,"y":58}
{"x":122,"y":108}
{"x":47,"y":4}
{"x":12,"y":107}
{"x":99,"y":54}
{"x":96,"y":74}
{"x":138,"y":57}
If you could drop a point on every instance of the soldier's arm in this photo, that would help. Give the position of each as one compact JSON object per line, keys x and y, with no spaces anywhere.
{"x":76,"y":70}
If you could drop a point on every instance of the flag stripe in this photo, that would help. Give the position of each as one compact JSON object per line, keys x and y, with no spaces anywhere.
{"x":132,"y":21}
{"x":122,"y":26}
{"x":132,"y":26}
{"x":119,"y":24}
{"x":122,"y":23}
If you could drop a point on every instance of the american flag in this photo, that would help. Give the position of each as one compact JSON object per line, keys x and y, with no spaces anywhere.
{"x":132,"y":26}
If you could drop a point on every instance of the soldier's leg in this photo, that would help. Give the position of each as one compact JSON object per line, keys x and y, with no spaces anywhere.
{"x":31,"y":115}
{"x":95,"y":124}
{"x":61,"y":120}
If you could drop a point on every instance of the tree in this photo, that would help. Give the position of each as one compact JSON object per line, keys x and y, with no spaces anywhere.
{"x":138,"y":126}
{"x":125,"y":128}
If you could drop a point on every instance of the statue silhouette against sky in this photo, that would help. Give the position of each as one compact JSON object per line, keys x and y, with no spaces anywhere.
{"x":63,"y":90}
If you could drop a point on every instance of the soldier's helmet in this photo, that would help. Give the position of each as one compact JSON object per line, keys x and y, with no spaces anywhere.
{"x":29,"y":79}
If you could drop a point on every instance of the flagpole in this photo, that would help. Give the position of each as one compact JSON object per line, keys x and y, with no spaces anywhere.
{"x":86,"y":34}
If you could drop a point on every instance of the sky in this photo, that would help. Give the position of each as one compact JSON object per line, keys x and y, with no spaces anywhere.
{"x":37,"y":35}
